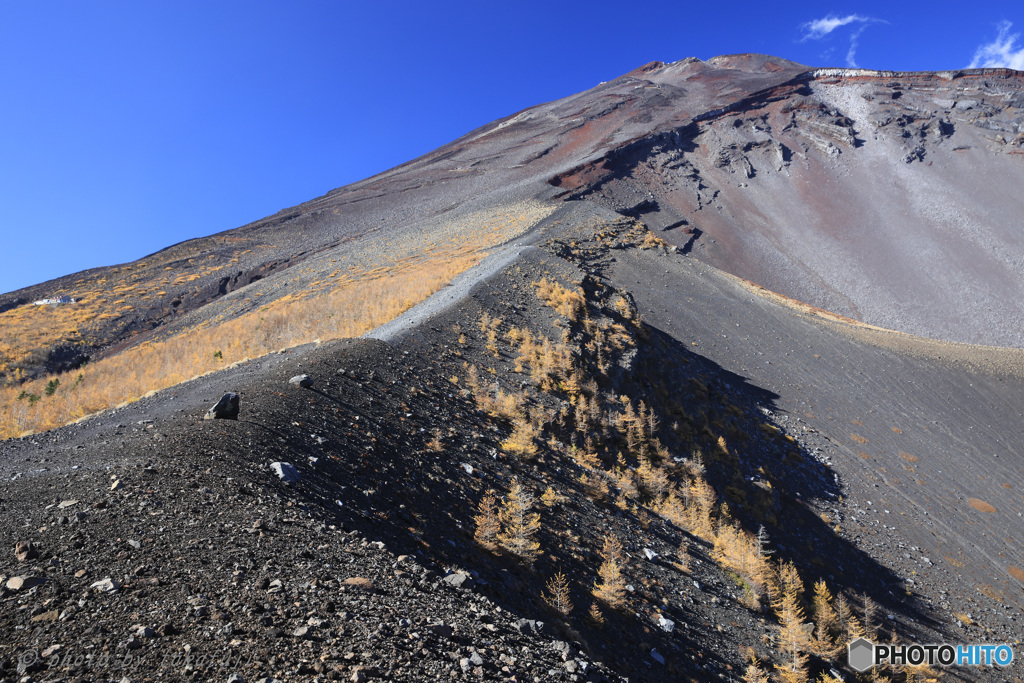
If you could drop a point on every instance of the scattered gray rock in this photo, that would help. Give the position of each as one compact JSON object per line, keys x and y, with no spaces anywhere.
{"x":650,"y":554}
{"x":364,"y":673}
{"x":25,"y":550}
{"x":469,"y":663}
{"x":657,"y":656}
{"x":225,"y":409}
{"x":666,"y":625}
{"x":529,"y":626}
{"x":106,"y":585}
{"x":286,"y":472}
{"x":301,"y":381}
{"x":459,"y":580}
{"x":24,"y":583}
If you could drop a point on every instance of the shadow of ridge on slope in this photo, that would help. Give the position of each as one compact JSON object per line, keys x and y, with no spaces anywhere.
{"x":765,"y":475}
{"x":802,"y":486}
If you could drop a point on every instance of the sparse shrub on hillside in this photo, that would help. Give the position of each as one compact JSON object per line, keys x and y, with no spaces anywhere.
{"x":683,"y":556}
{"x":595,"y":617}
{"x":550,"y":363}
{"x":651,"y":241}
{"x":755,"y":674}
{"x":522,"y":442}
{"x":654,"y":481}
{"x":824,"y":642}
{"x":869,"y":615}
{"x":595,"y":486}
{"x":435,"y":444}
{"x":567,"y":302}
{"x":848,"y":623}
{"x":585,"y":457}
{"x":737,"y":549}
{"x":557,"y":595}
{"x":921,"y":673}
{"x":550,"y":498}
{"x":793,"y":637}
{"x":624,"y":307}
{"x":519,"y":524}
{"x":488,"y":525}
{"x":611,"y":587}
{"x":490,"y":326}
{"x":494,"y":400}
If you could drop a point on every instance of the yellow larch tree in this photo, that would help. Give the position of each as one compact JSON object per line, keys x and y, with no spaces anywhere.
{"x":487,"y":523}
{"x":611,"y":588}
{"x":519,"y":525}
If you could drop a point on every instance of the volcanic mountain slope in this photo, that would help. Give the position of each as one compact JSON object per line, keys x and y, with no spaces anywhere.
{"x":881,"y":196}
{"x":397,"y":443}
{"x":593,"y":362}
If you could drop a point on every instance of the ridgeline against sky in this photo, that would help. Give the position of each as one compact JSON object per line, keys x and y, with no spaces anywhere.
{"x":131,"y":127}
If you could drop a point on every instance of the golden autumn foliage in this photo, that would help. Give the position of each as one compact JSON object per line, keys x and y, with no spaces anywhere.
{"x":611,"y":587}
{"x":349,"y":311}
{"x":793,"y":637}
{"x":523,"y":440}
{"x":824,"y":641}
{"x":568,"y":302}
{"x":488,"y":525}
{"x":755,"y":674}
{"x":557,"y":595}
{"x":341,"y":305}
{"x":519,"y":525}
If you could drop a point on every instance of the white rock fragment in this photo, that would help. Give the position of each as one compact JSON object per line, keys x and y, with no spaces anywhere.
{"x":286,"y":472}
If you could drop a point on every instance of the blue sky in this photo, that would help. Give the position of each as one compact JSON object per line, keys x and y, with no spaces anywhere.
{"x":130,"y":126}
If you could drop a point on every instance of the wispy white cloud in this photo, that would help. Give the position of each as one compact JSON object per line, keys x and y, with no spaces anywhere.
{"x":819,"y":28}
{"x":1001,"y":52}
{"x":851,"y":54}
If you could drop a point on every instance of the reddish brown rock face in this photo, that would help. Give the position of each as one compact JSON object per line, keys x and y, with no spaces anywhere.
{"x":885,"y":197}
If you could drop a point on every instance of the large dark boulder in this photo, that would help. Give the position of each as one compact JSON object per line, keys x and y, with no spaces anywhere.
{"x":225,"y":409}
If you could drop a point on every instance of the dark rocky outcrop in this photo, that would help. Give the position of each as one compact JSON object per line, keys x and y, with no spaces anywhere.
{"x":225,"y":409}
